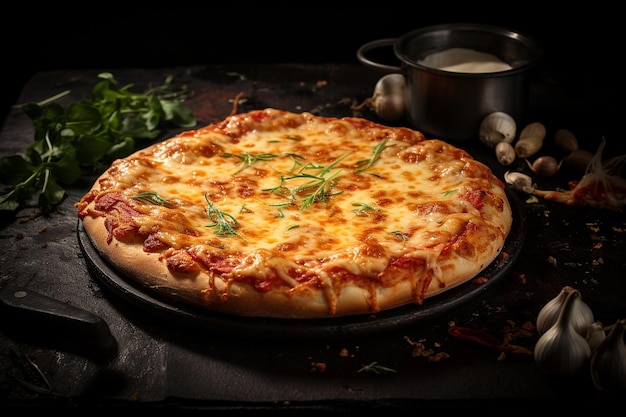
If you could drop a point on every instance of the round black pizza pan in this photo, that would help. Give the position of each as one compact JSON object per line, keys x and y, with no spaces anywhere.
{"x":348,"y":326}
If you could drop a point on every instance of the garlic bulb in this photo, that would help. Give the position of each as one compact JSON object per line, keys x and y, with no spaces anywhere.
{"x":566,"y":140}
{"x":388,"y":100}
{"x":581,"y":316}
{"x":505,"y":153}
{"x":595,"y":334}
{"x":530,"y":140}
{"x":519,"y":181}
{"x":545,"y":166}
{"x":561,"y":350}
{"x":608,"y":361}
{"x":497,"y":127}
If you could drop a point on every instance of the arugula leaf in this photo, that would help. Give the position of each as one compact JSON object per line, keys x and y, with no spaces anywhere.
{"x":110,"y":124}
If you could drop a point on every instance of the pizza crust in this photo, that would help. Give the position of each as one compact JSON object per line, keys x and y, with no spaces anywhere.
{"x":455,"y":263}
{"x":148,"y":271}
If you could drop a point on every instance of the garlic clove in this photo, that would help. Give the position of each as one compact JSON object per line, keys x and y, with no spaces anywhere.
{"x":581,"y":315}
{"x":497,"y":127}
{"x":505,"y":153}
{"x":545,"y":166}
{"x":608,"y":361}
{"x":388,"y":99}
{"x":595,"y":334}
{"x":530,"y":140}
{"x":519,"y":181}
{"x":561,"y":350}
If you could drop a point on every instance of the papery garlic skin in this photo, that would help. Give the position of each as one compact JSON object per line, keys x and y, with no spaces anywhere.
{"x":561,"y":350}
{"x":581,"y":316}
{"x":505,"y":152}
{"x":545,"y":166}
{"x":519,"y":181}
{"x":530,"y":140}
{"x":608,"y":361}
{"x":497,"y":127}
{"x":595,"y":334}
{"x":388,"y":100}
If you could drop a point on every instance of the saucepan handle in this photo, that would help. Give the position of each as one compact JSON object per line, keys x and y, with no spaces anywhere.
{"x":380,"y":43}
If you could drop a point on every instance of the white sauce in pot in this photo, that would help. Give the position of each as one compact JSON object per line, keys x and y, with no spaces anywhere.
{"x":465,"y":60}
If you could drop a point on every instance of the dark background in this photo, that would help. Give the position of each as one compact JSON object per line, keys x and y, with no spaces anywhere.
{"x":580,"y":44}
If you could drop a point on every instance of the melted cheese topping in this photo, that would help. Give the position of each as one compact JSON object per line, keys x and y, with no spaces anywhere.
{"x":291,"y":195}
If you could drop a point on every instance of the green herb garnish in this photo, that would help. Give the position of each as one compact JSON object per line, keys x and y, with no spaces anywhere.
{"x":363,"y":209}
{"x":449,"y":192}
{"x":317,"y":189}
{"x":224,"y":223}
{"x":368,"y":163}
{"x":248,"y":159}
{"x":151,"y":197}
{"x":90,"y":132}
{"x":280,"y":207}
{"x":374,"y":367}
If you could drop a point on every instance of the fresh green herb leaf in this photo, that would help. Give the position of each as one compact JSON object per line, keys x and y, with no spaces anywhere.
{"x":224,"y":223}
{"x":248,"y":159}
{"x":368,"y":163}
{"x":363,"y":209}
{"x":317,"y":189}
{"x":320,"y":187}
{"x":151,"y":197}
{"x":450,"y":192}
{"x":280,"y":207}
{"x":69,"y":141}
{"x":375,"y":368}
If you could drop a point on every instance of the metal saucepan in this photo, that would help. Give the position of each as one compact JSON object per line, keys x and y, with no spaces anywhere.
{"x":450,"y":104}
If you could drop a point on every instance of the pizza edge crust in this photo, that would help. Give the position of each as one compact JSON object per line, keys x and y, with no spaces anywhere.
{"x":147,"y":270}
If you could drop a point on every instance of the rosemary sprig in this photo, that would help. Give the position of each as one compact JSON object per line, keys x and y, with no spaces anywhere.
{"x":368,"y":163}
{"x":151,"y":197}
{"x":280,"y":207}
{"x":318,"y":189}
{"x":374,"y":367}
{"x":363,"y":209}
{"x":320,"y":186}
{"x":248,"y":159}
{"x":224,"y":223}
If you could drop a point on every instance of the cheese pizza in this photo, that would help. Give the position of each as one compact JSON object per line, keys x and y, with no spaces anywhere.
{"x":291,"y":215}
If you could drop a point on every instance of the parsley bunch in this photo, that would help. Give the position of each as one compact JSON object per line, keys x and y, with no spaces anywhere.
{"x":70,"y":141}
